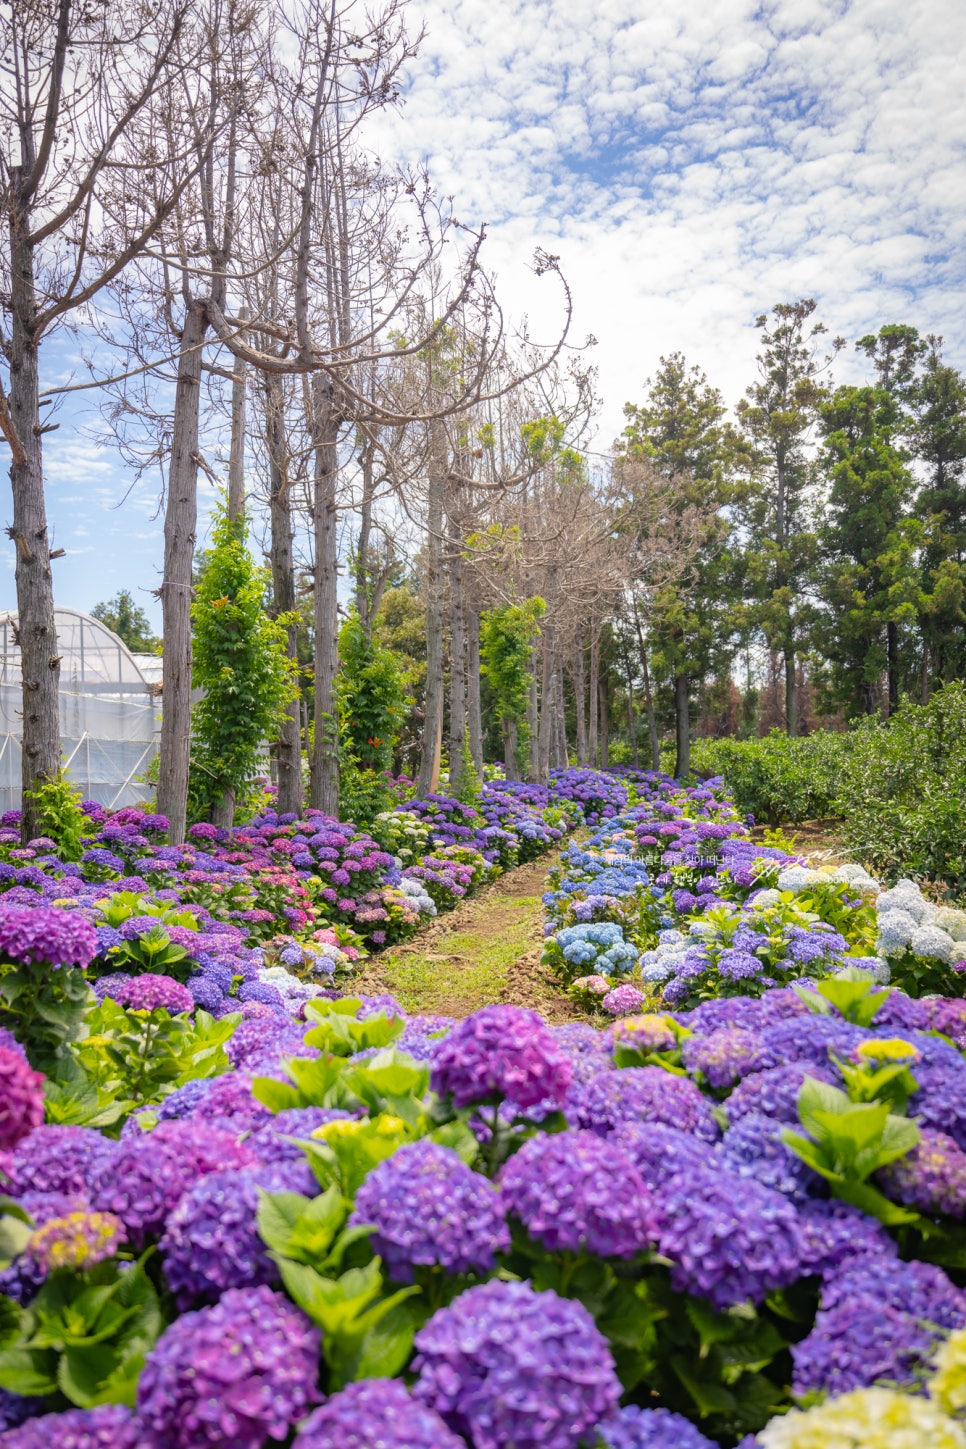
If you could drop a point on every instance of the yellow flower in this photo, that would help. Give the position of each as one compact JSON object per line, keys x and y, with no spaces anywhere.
{"x":948,"y":1384}
{"x":385,"y":1125}
{"x":865,"y":1419}
{"x":888,"y":1049}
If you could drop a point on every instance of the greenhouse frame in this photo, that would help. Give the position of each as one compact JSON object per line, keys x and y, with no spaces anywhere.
{"x":109,"y":712}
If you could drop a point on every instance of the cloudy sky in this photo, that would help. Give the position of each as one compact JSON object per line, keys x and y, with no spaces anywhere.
{"x":690,"y":169}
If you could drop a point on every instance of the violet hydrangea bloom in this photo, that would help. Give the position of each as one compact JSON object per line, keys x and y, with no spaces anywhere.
{"x":834,"y":1232}
{"x":660,"y":1152}
{"x":502,"y":1051}
{"x":724,"y":1056}
{"x":212,"y":1242}
{"x":858,"y":1343}
{"x":576,"y":1192}
{"x":623,"y":1000}
{"x":43,"y":933}
{"x":108,"y":1426}
{"x":375,"y":1411}
{"x":753,"y":1147}
{"x":150,"y":1173}
{"x":232,"y":1375}
{"x":932,"y":1176}
{"x":729,"y":1238}
{"x":641,"y":1094}
{"x":504,"y":1365}
{"x":774,"y":1093}
{"x":150,"y":991}
{"x":636,"y":1428}
{"x":920,"y":1289}
{"x":21,"y":1099}
{"x":58,"y":1159}
{"x":428,"y":1209}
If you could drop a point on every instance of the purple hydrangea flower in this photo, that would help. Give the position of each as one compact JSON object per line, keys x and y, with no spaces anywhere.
{"x":810,"y":1039}
{"x":660,"y":1152}
{"x":725,"y":1056}
{"x":753,"y":1147}
{"x":576,"y":1192}
{"x":502,"y":1051}
{"x":44,"y":933}
{"x":920,"y":1289}
{"x":108,"y":1426}
{"x":271,"y":1143}
{"x":59,"y":1159}
{"x":150,"y":991}
{"x":375,"y":1412}
{"x":21,"y":1099}
{"x":260,"y":1044}
{"x":149,"y":1173}
{"x":211,"y":1241}
{"x":941,"y":1099}
{"x":623,"y":1000}
{"x":504,"y":1365}
{"x":77,"y":1240}
{"x":730,"y":1239}
{"x":774,"y":1093}
{"x":230,"y":1375}
{"x":427,"y":1209}
{"x":859,"y":1342}
{"x":932,"y":1176}
{"x":641,"y":1094}
{"x":636,"y":1428}
{"x":833,"y":1233}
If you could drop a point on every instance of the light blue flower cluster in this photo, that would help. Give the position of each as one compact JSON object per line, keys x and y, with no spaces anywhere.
{"x":600,"y":946}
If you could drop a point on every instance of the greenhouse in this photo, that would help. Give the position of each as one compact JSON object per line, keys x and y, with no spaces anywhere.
{"x":109,"y":712}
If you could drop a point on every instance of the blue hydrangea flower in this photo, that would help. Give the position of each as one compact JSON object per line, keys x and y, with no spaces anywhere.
{"x":636,"y":1428}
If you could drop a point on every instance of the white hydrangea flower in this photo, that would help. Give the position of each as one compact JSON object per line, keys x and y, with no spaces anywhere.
{"x":856,"y":876}
{"x":896,"y":930}
{"x":700,"y":928}
{"x":670,"y":938}
{"x":655,"y":969}
{"x":798,"y":878}
{"x":767,"y":897}
{"x":906,"y":896}
{"x":951,"y":921}
{"x":865,"y":1419}
{"x":932,"y":942}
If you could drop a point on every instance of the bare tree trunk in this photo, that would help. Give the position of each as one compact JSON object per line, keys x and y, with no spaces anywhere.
{"x":594,"y":688}
{"x":511,"y":756}
{"x":36,"y":634}
{"x":604,"y":724}
{"x":791,"y":694}
{"x":632,"y":720}
{"x":560,"y":756}
{"x":533,"y":720}
{"x":433,"y":720}
{"x":892,"y":649}
{"x":580,"y":699}
{"x":180,"y":528}
{"x":652,"y":734}
{"x":289,"y":744}
{"x":474,"y":717}
{"x":236,"y":456}
{"x":457,"y":661}
{"x":325,"y":422}
{"x":682,"y":763}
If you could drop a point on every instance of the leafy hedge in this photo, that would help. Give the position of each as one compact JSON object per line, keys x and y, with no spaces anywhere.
{"x":777,"y":779}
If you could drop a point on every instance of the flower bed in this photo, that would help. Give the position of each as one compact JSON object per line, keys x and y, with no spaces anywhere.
{"x":730,"y":1213}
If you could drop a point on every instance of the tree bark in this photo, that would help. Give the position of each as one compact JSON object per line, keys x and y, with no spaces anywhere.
{"x":594,"y":693}
{"x":652,"y":734}
{"x":511,"y":755}
{"x":604,"y":724}
{"x":474,"y":716}
{"x":325,"y":421}
{"x":892,"y":649}
{"x":791,"y":694}
{"x":39,"y":660}
{"x":457,"y":661}
{"x":433,"y":720}
{"x":180,"y":528}
{"x":560,"y":760}
{"x":236,"y":456}
{"x":580,"y":699}
{"x":533,"y":720}
{"x":289,"y":745}
{"x":682,"y":763}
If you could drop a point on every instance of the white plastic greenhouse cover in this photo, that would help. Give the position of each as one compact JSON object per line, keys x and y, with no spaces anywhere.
{"x":109,"y":715}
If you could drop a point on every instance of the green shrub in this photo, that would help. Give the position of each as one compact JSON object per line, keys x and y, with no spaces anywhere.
{"x":59,"y":816}
{"x":903,"y":791}
{"x":777,"y":779}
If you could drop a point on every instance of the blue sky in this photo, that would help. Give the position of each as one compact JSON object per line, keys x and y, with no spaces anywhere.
{"x":690,"y":165}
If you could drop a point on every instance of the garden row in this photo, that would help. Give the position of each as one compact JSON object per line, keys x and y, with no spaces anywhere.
{"x":727,"y":1207}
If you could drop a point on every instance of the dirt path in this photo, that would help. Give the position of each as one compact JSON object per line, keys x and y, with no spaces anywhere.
{"x":487,"y":950}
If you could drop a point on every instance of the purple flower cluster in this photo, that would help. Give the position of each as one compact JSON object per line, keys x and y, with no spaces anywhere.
{"x":931,"y":1177}
{"x":45,"y":934}
{"x":149,"y":991}
{"x":428,"y":1209}
{"x":58,"y":1160}
{"x":231,"y":1375}
{"x":376,"y":1412}
{"x":641,"y":1094}
{"x":502,"y":1052}
{"x":753,"y":1147}
{"x":724,"y":1056}
{"x":506,"y":1366}
{"x":635,"y":1428}
{"x":575,"y":1192}
{"x":730,"y":1239}
{"x":108,"y":1426}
